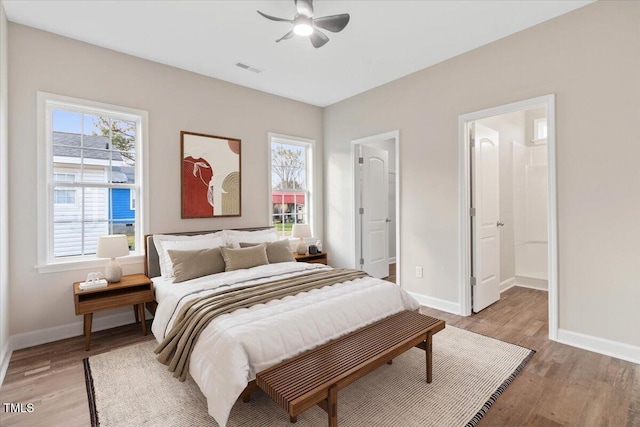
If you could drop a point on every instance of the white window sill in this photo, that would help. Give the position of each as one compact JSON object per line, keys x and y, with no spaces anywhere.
{"x":98,"y":263}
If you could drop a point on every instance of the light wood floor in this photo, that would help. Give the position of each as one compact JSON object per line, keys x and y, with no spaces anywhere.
{"x":392,"y":273}
{"x":561,"y":385}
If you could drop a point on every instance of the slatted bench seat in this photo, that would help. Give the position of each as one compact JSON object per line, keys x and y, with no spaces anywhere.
{"x":314,"y":377}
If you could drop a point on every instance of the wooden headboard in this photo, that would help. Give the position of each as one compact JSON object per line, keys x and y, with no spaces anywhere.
{"x":151,"y":259}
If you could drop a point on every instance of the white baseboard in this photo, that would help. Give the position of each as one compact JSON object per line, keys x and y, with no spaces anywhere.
{"x":5,"y":357}
{"x":56,"y":333}
{"x":437,"y":303}
{"x":532,"y":283}
{"x":507,"y":284}
{"x":392,"y":260}
{"x":600,"y":345}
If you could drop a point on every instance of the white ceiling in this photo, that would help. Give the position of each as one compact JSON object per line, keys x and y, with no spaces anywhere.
{"x":384,"y":40}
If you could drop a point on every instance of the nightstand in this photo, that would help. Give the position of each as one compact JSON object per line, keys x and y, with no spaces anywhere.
{"x":320,"y":258}
{"x":134,"y":289}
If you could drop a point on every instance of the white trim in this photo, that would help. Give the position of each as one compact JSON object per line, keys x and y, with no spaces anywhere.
{"x":532,"y":283}
{"x":392,"y":260}
{"x":616,"y":349}
{"x":87,"y":263}
{"x":5,"y":358}
{"x":507,"y":284}
{"x":312,"y":178}
{"x":437,"y":303}
{"x":552,"y":210}
{"x":56,"y":333}
{"x":46,"y":102}
{"x":395,"y":135}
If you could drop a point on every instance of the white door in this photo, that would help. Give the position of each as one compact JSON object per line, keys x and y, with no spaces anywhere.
{"x":375,"y":211}
{"x":486,"y":201}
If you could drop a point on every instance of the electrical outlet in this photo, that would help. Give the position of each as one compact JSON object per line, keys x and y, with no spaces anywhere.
{"x":419,"y":272}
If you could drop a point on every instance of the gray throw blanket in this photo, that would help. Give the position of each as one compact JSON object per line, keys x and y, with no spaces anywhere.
{"x":175,"y":350}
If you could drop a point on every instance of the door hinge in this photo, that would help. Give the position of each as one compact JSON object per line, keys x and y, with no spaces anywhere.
{"x":472,"y":280}
{"x":472,"y":211}
{"x":361,"y":160}
{"x":361,"y":211}
{"x":361,"y":261}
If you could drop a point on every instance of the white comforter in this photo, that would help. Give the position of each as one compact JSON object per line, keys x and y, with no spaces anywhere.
{"x":235,"y":346}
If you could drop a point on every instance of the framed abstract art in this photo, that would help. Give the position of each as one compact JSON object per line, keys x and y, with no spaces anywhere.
{"x":210,"y":176}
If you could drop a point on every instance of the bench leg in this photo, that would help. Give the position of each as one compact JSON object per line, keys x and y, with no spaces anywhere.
{"x":429,"y":353}
{"x":293,"y":419}
{"x":333,"y":406}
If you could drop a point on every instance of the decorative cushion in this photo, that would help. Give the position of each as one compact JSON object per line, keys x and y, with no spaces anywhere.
{"x":234,"y":237}
{"x":164,"y":242}
{"x":279,"y":251}
{"x":196,"y":263}
{"x":237,"y":259}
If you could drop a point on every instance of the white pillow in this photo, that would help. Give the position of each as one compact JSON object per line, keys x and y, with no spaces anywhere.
{"x":234,"y":237}
{"x":164,"y":242}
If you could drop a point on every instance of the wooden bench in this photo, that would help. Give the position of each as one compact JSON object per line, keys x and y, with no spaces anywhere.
{"x":314,"y":377}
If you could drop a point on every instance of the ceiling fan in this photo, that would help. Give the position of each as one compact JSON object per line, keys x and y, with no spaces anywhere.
{"x":304,"y":24}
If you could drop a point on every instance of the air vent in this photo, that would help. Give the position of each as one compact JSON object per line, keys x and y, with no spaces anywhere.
{"x":248,"y":67}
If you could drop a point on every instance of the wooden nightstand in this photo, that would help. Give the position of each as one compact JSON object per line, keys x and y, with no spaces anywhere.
{"x":320,"y":258}
{"x":134,"y":289}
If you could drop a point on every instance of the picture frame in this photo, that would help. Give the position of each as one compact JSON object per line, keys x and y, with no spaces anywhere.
{"x":210,"y":176}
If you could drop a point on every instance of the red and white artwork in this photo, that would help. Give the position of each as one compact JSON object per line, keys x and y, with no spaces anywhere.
{"x":210,"y":176}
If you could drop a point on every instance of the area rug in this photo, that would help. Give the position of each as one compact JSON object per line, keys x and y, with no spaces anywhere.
{"x":128,"y":387}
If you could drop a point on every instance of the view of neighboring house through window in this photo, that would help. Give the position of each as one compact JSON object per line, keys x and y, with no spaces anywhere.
{"x":93,"y":178}
{"x":291,"y":183}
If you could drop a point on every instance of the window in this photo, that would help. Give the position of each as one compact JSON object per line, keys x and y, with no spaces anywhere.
{"x":291,"y":165}
{"x":540,"y":129}
{"x":132,"y":200}
{"x":64,"y":196}
{"x":91,"y":179}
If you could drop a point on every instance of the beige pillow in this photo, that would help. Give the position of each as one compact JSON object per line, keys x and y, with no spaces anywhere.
{"x":279,"y":251}
{"x":237,"y":259}
{"x":195,"y":263}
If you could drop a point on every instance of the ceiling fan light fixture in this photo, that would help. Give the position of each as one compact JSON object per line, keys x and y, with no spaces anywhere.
{"x":302,"y":25}
{"x":303,"y":29}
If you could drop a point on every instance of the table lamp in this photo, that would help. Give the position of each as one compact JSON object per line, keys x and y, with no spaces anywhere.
{"x":302,"y":231}
{"x":112,"y":246}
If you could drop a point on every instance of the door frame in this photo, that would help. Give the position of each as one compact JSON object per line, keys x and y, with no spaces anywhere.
{"x":464,"y":189}
{"x":395,"y":135}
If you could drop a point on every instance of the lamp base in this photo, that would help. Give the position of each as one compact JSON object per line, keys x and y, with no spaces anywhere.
{"x":113,"y":271}
{"x":302,"y":247}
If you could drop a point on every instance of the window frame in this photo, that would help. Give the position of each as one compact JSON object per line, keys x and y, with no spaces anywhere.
{"x":311,"y":170}
{"x":46,"y":103}
{"x":536,"y":128}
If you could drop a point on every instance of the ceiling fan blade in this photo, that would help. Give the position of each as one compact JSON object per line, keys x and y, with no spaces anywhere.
{"x":274,"y":18}
{"x":304,"y":7}
{"x":286,"y":36}
{"x":318,"y":39}
{"x":333,"y":23}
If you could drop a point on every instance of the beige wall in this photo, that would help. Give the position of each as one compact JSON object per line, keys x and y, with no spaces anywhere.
{"x":590,"y":59}
{"x":176,"y":100}
{"x":4,"y":197}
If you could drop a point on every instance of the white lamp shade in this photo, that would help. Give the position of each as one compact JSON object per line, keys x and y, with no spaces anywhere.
{"x":301,"y":231}
{"x":112,"y":246}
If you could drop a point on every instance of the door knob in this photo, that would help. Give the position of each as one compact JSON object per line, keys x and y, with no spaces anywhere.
{"x":500,"y":224}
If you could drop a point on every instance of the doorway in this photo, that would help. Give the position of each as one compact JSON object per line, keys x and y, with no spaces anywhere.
{"x":376,"y":204}
{"x":508,"y":211}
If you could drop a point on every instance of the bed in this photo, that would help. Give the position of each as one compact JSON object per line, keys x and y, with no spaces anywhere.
{"x":236,"y":345}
